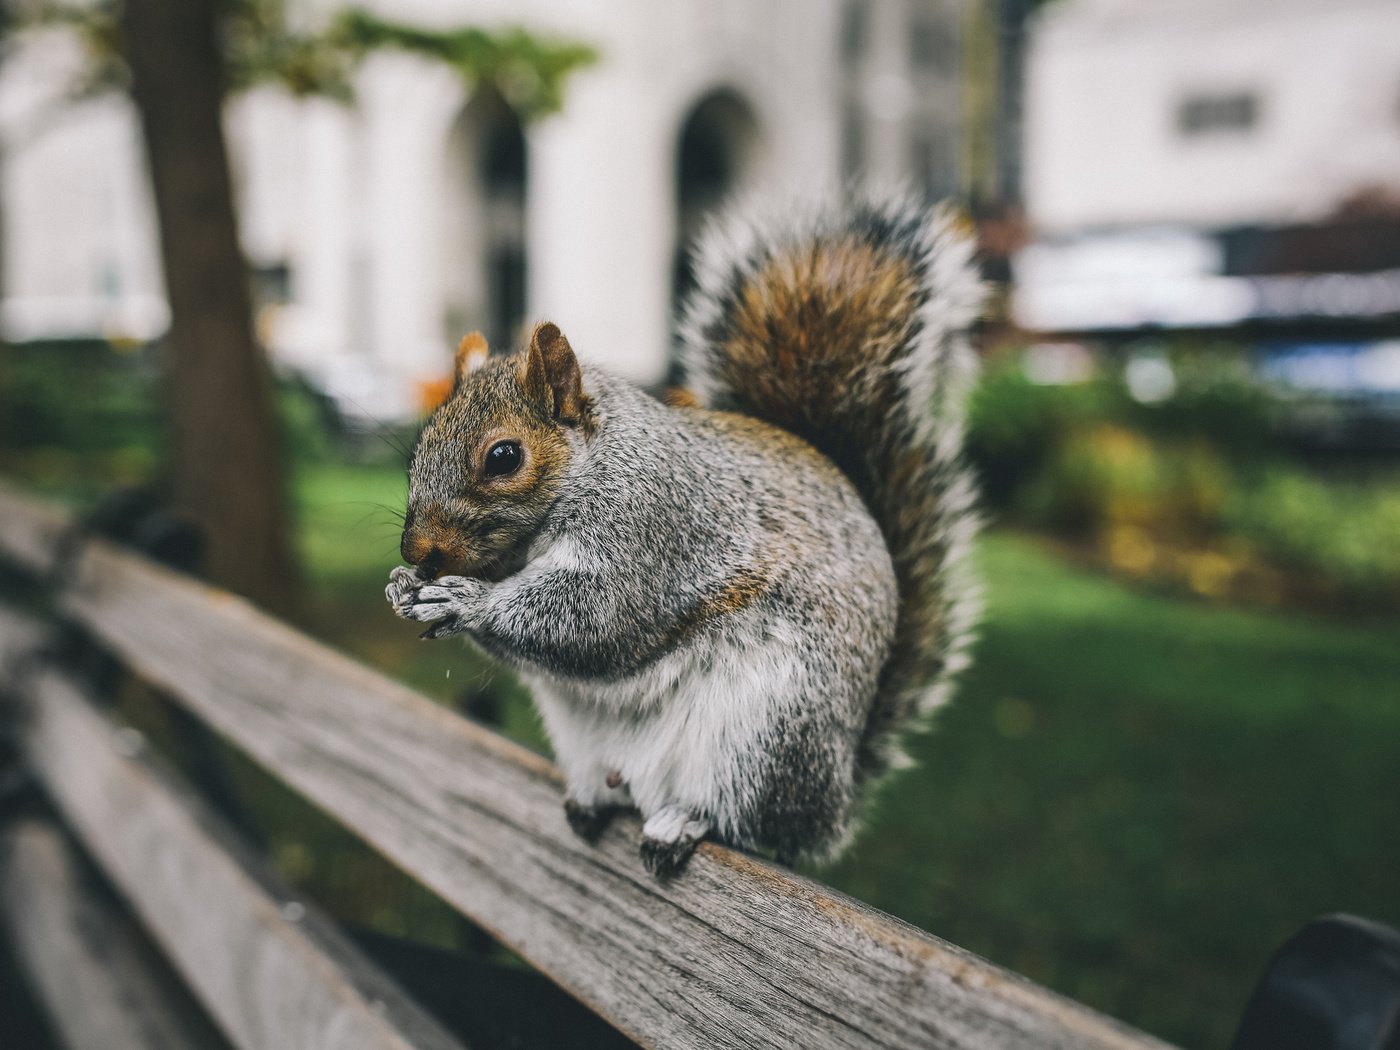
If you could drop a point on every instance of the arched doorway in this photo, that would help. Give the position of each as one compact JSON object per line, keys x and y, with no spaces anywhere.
{"x":484,"y":224}
{"x":716,"y":154}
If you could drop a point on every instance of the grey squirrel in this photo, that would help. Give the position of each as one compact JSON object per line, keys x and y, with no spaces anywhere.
{"x":728,"y":607}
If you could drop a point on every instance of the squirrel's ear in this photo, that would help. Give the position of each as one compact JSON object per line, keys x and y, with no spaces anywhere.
{"x":551,"y":374}
{"x":472,"y":353}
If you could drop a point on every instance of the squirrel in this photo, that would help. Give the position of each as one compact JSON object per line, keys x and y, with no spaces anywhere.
{"x":729,"y":608}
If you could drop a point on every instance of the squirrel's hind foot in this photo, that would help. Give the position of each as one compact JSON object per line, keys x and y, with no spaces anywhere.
{"x":666,"y":859}
{"x":669,"y":837}
{"x":588,"y":822}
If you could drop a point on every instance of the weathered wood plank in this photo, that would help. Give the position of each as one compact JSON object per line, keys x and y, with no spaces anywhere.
{"x":31,"y":532}
{"x":733,"y":953}
{"x":102,"y":985}
{"x":20,"y":638}
{"x":270,"y":970}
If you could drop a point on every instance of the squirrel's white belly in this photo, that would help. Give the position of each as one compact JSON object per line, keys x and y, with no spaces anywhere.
{"x":687,"y":730}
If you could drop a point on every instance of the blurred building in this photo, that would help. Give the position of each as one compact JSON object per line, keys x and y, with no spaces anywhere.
{"x":1212,"y":164}
{"x":380,"y":233}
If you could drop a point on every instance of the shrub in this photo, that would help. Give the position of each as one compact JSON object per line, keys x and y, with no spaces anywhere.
{"x":1014,"y":425}
{"x":1108,"y":475}
{"x":1347,"y":533}
{"x":1195,"y":487}
{"x":1216,"y":401}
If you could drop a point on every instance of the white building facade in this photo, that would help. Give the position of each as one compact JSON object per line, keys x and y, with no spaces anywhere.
{"x":1209,"y":112}
{"x":1155,"y":129}
{"x":383,"y":231}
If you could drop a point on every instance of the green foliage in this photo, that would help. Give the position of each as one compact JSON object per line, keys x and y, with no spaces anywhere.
{"x":85,"y":396}
{"x":1194,"y":488}
{"x":262,"y":43}
{"x":1018,"y":427}
{"x":529,"y":72}
{"x":1099,"y":477}
{"x":1216,"y":401}
{"x":85,"y":417}
{"x":1347,"y":533}
{"x":310,"y":423}
{"x":80,"y":415}
{"x":1014,"y":425}
{"x":95,"y":27}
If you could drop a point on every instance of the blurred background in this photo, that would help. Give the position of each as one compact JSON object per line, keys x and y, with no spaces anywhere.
{"x":239,"y":239}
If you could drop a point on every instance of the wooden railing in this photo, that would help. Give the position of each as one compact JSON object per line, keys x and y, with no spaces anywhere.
{"x":733,"y":953}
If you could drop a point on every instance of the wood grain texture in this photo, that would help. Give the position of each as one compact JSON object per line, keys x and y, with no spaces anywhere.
{"x":100,"y":982}
{"x":31,"y":532}
{"x":21,"y":640}
{"x":271,"y":971}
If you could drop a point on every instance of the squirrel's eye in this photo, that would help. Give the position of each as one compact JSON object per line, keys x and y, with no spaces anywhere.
{"x":503,"y":458}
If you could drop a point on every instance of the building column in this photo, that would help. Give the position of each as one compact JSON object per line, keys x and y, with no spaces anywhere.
{"x":327,"y":240}
{"x":408,"y":107}
{"x":601,"y":224}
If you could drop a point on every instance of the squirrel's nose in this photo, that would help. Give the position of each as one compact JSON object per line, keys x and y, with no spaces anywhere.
{"x":421,"y":551}
{"x":431,"y":563}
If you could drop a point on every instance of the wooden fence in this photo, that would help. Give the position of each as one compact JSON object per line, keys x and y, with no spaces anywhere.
{"x":733,"y":953}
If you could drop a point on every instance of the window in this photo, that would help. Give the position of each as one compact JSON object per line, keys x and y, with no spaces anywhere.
{"x":932,"y":162}
{"x":854,"y":30}
{"x":272,"y":284}
{"x":1217,"y":114}
{"x":931,"y":42}
{"x":852,"y":141}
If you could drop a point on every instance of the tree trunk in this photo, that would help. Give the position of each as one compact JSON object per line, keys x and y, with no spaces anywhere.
{"x":226,"y":469}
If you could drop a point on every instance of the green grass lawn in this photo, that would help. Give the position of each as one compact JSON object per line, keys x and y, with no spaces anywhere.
{"x":1134,"y":799}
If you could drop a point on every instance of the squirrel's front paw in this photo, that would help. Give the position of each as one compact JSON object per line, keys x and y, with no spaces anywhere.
{"x":402,"y":589}
{"x":456,"y":603}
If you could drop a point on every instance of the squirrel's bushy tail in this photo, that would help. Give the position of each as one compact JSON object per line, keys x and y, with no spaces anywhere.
{"x":847,"y":326}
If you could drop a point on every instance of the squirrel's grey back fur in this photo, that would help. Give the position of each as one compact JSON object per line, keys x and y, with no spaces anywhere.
{"x":749,"y":673}
{"x":781,"y":327}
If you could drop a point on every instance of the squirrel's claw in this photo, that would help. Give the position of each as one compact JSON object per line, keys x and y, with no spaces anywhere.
{"x":669,"y":837}
{"x":443,"y":629}
{"x":402,"y":590}
{"x":588,"y":822}
{"x":665,"y":860}
{"x":456,"y":603}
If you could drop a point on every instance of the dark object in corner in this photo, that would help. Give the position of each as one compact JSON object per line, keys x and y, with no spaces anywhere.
{"x":488,"y":1005}
{"x":138,"y":517}
{"x":1334,"y":986}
